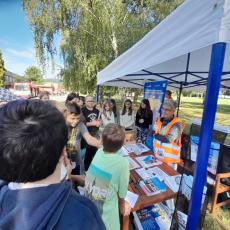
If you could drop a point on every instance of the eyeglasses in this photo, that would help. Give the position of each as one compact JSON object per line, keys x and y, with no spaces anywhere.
{"x":89,"y":101}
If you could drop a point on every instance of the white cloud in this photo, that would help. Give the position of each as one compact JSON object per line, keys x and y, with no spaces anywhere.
{"x":17,"y":61}
{"x":18,"y":67}
{"x":28,"y":53}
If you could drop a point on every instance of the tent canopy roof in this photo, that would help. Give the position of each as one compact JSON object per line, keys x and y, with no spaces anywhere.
{"x":177,"y":50}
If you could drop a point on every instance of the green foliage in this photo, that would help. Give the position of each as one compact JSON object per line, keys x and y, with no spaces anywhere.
{"x":186,"y":93}
{"x":19,"y":79}
{"x":2,"y":71}
{"x":34,"y":74}
{"x":227,"y":93}
{"x":93,"y":32}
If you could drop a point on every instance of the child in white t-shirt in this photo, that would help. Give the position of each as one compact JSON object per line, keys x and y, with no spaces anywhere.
{"x":127,"y":116}
{"x":107,"y":114}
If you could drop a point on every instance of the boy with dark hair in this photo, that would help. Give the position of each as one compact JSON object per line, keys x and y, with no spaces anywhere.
{"x":33,"y":165}
{"x":72,"y":98}
{"x":77,"y":130}
{"x":107,"y":179}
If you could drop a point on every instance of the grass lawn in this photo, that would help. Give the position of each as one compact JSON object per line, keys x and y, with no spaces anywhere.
{"x":192,"y":107}
{"x":220,"y":220}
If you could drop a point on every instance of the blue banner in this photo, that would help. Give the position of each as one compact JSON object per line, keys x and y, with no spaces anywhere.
{"x":155,"y":93}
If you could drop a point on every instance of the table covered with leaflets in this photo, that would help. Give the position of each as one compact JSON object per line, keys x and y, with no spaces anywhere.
{"x":151,"y":182}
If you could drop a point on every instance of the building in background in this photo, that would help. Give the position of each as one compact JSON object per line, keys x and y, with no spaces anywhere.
{"x":11,"y":78}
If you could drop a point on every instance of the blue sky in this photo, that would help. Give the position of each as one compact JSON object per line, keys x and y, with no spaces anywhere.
{"x":16,"y":39}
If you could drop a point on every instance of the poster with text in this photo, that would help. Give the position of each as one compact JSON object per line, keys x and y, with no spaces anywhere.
{"x":155,"y":93}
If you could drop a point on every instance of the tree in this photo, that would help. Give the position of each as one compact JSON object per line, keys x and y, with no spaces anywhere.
{"x":2,"y":71}
{"x":34,"y":74}
{"x":19,"y":79}
{"x":93,"y":32}
{"x":227,"y":93}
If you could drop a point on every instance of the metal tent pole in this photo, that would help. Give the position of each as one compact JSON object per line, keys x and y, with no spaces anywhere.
{"x":97,"y":93}
{"x":208,"y":119}
{"x":185,"y":83}
{"x":178,"y":106}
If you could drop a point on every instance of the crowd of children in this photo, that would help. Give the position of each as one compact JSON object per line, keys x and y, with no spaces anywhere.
{"x":85,"y":116}
{"x":99,"y":129}
{"x":95,"y":133}
{"x":107,"y":173}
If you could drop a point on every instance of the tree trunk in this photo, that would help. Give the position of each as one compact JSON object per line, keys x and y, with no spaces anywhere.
{"x":114,"y":44}
{"x":135,"y":97}
{"x":114,"y":38}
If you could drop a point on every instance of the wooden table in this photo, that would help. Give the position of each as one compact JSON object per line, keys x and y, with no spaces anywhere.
{"x":144,"y":200}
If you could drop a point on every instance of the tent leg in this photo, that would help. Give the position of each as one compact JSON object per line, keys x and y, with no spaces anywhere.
{"x":208,"y":119}
{"x":180,"y":91}
{"x":97,"y":93}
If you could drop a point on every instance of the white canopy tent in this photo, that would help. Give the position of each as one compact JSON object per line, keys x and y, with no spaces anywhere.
{"x":190,"y":49}
{"x":177,"y":50}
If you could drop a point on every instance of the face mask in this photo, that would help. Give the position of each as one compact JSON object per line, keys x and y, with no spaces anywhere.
{"x":63,"y":172}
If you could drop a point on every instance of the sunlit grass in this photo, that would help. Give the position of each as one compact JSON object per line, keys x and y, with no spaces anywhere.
{"x":219,"y":220}
{"x":192,"y":107}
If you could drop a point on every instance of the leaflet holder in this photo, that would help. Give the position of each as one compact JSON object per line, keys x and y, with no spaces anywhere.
{"x":180,"y":214}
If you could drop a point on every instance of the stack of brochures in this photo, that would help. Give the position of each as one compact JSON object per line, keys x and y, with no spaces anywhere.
{"x":132,"y":163}
{"x":182,"y":220}
{"x":154,"y":217}
{"x":152,"y":186}
{"x":173,"y":182}
{"x":137,"y":148}
{"x":123,"y":152}
{"x":151,"y":172}
{"x":148,"y":161}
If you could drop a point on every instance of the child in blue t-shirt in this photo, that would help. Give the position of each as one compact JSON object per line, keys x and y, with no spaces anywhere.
{"x":107,"y":178}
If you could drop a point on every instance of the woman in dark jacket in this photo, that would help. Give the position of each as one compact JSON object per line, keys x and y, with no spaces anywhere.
{"x":144,"y":119}
{"x":115,"y":111}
